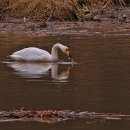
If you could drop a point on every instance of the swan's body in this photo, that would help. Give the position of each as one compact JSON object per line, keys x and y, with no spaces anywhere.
{"x":36,"y":54}
{"x":31,"y":54}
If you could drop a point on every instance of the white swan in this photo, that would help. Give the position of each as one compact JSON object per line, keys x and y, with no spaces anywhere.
{"x":36,"y":54}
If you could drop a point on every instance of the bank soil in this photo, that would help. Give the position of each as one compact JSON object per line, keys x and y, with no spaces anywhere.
{"x":52,"y":116}
{"x":111,"y":20}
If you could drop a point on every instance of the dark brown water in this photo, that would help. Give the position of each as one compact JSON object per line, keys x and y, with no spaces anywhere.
{"x":99,"y":81}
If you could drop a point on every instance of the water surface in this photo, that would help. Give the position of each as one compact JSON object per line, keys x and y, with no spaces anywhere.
{"x":99,"y":82}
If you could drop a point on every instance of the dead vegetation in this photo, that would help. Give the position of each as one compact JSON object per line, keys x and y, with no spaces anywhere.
{"x":52,"y":116}
{"x":50,"y":10}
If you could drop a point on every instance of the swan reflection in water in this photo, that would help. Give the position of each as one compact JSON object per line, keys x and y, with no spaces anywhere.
{"x":38,"y":70}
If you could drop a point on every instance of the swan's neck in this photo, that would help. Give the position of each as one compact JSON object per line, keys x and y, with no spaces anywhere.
{"x":54,"y":53}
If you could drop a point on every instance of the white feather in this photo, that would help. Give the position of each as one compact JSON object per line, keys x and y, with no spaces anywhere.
{"x":36,"y":54}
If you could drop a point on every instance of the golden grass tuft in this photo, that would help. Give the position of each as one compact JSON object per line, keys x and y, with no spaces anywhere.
{"x":49,"y":10}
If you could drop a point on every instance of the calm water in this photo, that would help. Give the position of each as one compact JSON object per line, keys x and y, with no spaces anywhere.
{"x":99,"y":82}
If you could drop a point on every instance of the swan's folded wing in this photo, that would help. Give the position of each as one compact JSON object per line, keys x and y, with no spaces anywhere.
{"x":32,"y":53}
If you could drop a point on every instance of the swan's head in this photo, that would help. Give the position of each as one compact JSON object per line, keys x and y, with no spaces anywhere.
{"x":65,"y":50}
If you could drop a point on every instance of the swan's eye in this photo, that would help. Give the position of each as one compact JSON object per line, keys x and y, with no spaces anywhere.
{"x":67,"y":49}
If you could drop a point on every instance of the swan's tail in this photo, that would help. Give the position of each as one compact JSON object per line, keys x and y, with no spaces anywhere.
{"x":15,"y":57}
{"x":8,"y":56}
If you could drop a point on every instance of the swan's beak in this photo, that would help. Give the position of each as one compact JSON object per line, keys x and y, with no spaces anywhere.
{"x":68,"y":54}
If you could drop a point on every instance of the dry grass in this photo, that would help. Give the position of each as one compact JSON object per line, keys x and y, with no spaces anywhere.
{"x":49,"y":10}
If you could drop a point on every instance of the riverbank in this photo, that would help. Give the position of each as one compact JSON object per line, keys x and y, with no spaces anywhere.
{"x":53,"y":116}
{"x":112,"y":20}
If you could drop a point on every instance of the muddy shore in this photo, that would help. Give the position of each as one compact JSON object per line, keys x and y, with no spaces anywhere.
{"x":111,"y":20}
{"x":52,"y":116}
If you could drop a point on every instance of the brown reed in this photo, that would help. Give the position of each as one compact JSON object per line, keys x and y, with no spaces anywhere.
{"x":50,"y":10}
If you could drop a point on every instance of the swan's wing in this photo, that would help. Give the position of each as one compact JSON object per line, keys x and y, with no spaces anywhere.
{"x":31,"y":54}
